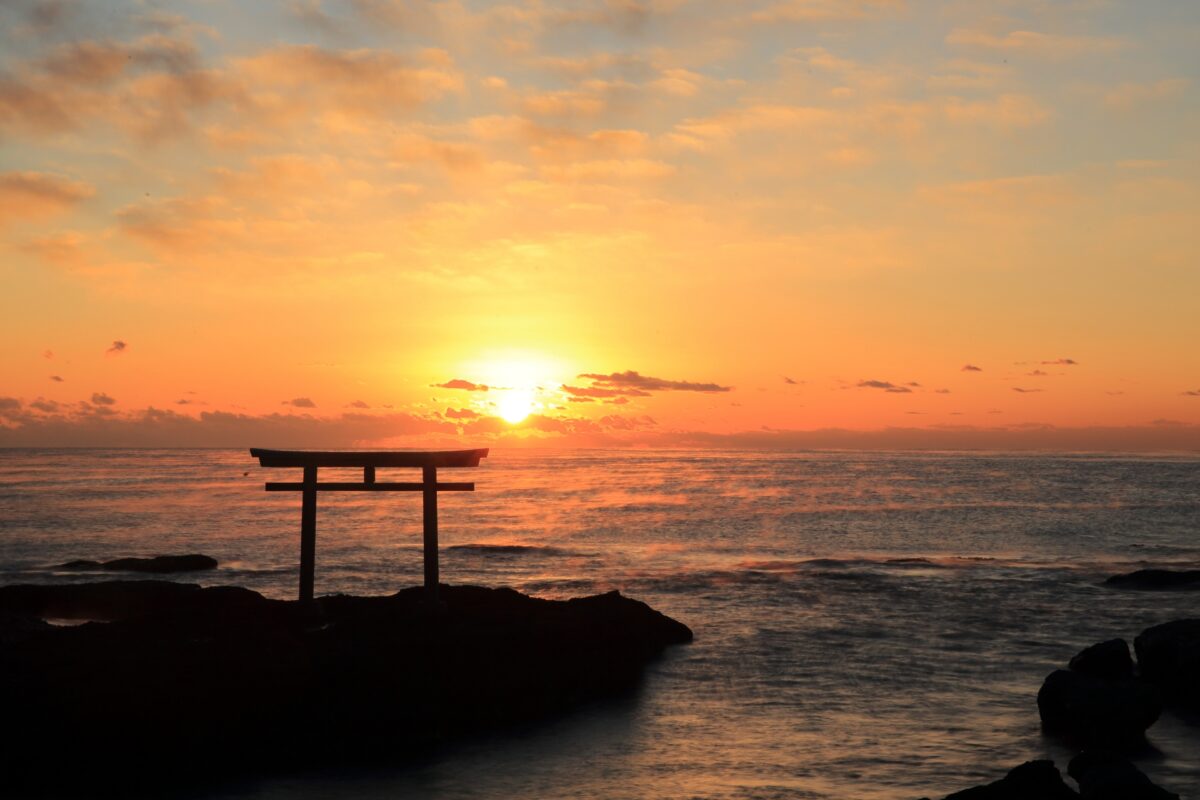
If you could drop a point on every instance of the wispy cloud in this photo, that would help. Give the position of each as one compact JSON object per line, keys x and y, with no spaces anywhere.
{"x":886,"y":386}
{"x":971,"y":368}
{"x":116,"y":348}
{"x":1062,"y":362}
{"x":57,"y":378}
{"x":300,"y":402}
{"x":631,"y":379}
{"x":464,"y":385}
{"x":1020,"y":390}
{"x":102,"y":399}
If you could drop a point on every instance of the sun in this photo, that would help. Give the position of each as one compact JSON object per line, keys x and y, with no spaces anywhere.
{"x":514,"y":405}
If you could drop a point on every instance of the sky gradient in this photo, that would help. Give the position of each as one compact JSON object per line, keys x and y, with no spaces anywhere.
{"x":808,"y":223}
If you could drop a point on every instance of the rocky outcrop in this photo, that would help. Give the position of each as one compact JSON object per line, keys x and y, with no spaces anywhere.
{"x":1100,"y":775}
{"x":1109,"y":660}
{"x":1157,"y":579}
{"x":1106,"y":776}
{"x":1033,"y":780}
{"x":192,"y":562}
{"x":1169,"y":656}
{"x":213,"y":680}
{"x":1098,"y":701}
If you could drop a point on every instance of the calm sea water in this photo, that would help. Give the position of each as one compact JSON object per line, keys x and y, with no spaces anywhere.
{"x":867,"y":625}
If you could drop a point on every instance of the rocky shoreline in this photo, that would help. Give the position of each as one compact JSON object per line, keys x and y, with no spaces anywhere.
{"x":168,"y":679}
{"x":1103,"y":703}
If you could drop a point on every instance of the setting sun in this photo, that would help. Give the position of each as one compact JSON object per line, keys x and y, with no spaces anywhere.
{"x":514,"y":405}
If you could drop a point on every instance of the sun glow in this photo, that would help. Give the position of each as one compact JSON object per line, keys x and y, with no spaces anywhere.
{"x":514,"y":405}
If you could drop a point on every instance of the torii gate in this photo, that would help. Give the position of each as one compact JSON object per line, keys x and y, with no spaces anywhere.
{"x":310,"y":460}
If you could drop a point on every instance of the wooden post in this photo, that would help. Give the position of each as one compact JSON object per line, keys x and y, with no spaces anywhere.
{"x":308,"y":533}
{"x":429,"y":474}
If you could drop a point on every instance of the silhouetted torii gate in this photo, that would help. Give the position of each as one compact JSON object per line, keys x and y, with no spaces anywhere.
{"x":310,"y":460}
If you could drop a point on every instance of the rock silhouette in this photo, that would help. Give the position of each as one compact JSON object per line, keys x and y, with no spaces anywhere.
{"x":1169,"y":655}
{"x":1098,"y":701}
{"x":1157,"y":579}
{"x":209,"y":681}
{"x":192,"y":562}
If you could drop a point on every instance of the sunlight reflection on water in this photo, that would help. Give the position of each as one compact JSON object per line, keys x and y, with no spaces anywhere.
{"x":868,"y":626}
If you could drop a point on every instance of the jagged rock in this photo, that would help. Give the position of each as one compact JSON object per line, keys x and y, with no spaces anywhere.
{"x":1033,"y":780}
{"x":1106,"y":776}
{"x":1109,"y":659}
{"x":225,"y":678}
{"x":193,"y":562}
{"x":1157,"y":579}
{"x":1169,"y":655}
{"x":1098,"y":711}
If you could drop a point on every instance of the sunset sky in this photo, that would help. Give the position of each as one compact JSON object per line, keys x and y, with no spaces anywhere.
{"x":668,"y":223}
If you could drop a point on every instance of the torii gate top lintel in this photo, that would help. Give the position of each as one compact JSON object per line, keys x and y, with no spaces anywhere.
{"x":427,"y":461}
{"x":369,"y":458}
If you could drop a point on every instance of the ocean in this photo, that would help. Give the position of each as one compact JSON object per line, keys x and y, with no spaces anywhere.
{"x":868,"y":625}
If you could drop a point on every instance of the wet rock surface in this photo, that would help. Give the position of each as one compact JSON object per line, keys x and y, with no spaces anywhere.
{"x":215,"y":681}
{"x":192,"y":562}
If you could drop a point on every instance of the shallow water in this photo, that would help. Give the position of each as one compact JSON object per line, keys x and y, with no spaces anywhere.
{"x":867,"y":625}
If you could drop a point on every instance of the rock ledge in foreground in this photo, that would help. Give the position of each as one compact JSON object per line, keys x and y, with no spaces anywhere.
{"x":209,"y":681}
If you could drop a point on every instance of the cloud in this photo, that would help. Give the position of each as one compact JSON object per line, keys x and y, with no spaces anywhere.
{"x":1034,"y":43}
{"x":791,"y":382}
{"x":824,"y":10}
{"x":971,"y":368}
{"x":101,"y":399}
{"x":9,"y":404}
{"x":1037,"y":373}
{"x":633,"y":380}
{"x":459,"y":383}
{"x":1129,"y":95}
{"x":462,"y":413}
{"x":117,"y":348}
{"x":38,"y":194}
{"x":47,"y":354}
{"x":886,"y":386}
{"x":1019,"y":390}
{"x":596,"y":391}
{"x":300,"y":402}
{"x":357,"y":404}
{"x":1062,"y":362}
{"x":941,"y":391}
{"x":57,"y":378}
{"x":1190,"y":393}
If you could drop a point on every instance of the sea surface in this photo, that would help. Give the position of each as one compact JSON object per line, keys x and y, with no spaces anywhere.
{"x":867,"y":625}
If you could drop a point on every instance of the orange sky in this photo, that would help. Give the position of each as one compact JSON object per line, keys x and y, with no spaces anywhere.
{"x":749,"y":223}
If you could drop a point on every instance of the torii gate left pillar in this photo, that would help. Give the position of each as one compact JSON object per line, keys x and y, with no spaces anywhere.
{"x":368,"y":461}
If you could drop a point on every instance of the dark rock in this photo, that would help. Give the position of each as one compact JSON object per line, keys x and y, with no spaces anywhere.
{"x":209,"y":682}
{"x":1106,"y":776}
{"x":193,"y":562}
{"x":1098,"y":711}
{"x":1109,"y":659}
{"x":93,"y":601}
{"x":1169,"y":655}
{"x":1157,"y":579}
{"x":1033,"y":780}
